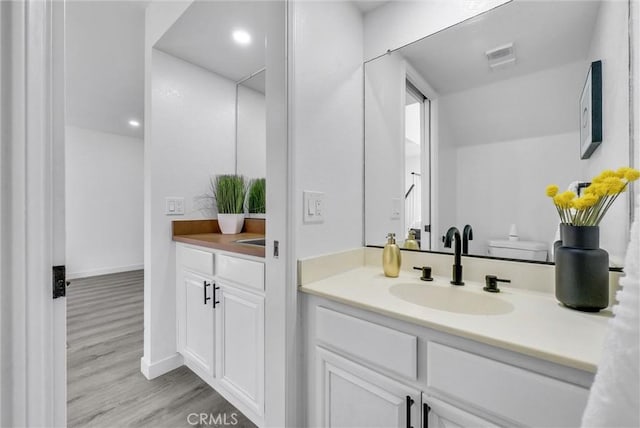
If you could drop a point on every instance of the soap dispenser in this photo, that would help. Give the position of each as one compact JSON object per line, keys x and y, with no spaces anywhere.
{"x":391,"y":259}
{"x":410,"y":243}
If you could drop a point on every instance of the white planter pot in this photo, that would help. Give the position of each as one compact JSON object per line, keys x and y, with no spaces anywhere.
{"x":230,"y":224}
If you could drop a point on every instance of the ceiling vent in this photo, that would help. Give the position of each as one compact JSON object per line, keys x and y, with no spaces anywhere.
{"x":501,"y":57}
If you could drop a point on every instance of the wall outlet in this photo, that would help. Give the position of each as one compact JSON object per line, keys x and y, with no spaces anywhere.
{"x":174,"y":205}
{"x":313,"y":207}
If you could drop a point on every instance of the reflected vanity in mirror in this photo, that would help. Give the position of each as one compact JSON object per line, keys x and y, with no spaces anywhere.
{"x":469,"y":125}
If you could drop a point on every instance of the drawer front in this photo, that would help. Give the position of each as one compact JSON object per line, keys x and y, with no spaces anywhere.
{"x":241,"y":271}
{"x":510,"y":392}
{"x":196,"y":260}
{"x":382,"y":346}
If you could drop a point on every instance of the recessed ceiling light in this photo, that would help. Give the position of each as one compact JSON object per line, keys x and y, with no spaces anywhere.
{"x":134,"y":123}
{"x":241,"y":37}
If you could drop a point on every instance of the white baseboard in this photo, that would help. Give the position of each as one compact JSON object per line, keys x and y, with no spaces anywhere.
{"x":103,"y":271}
{"x":153,"y":370}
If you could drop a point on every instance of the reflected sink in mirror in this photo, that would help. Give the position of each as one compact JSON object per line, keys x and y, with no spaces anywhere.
{"x":451,"y":299}
{"x":258,"y":242}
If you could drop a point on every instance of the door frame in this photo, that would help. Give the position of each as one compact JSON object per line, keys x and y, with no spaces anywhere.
{"x":33,"y":324}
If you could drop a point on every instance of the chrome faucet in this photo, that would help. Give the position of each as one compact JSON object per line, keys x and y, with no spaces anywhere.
{"x":467,"y":235}
{"x":453,"y":234}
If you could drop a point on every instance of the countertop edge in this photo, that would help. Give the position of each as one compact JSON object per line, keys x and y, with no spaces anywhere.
{"x":535,"y":353}
{"x":248,"y":250}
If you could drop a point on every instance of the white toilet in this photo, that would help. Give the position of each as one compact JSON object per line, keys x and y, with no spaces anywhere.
{"x":521,"y":250}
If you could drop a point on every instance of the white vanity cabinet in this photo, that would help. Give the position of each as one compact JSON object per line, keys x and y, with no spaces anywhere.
{"x":240,"y":343}
{"x":442,"y":415}
{"x":220,"y":323}
{"x":371,"y":370}
{"x":351,"y":395}
{"x":196,"y":326}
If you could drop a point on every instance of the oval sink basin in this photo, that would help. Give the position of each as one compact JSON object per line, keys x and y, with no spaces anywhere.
{"x":451,"y":299}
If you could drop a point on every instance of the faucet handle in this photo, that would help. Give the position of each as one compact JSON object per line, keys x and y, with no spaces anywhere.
{"x":426,"y":272}
{"x":491,"y":282}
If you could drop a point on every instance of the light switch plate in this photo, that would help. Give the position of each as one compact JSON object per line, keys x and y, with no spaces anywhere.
{"x":395,"y":208}
{"x":313,"y":210}
{"x":174,"y":205}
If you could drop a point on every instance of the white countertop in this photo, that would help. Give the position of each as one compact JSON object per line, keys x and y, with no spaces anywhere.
{"x":537,"y":325}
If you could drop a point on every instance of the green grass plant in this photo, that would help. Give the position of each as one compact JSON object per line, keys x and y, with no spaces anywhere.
{"x":257,"y":196}
{"x":229,"y":192}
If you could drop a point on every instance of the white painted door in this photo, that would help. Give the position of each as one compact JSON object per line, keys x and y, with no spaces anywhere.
{"x":442,"y":415}
{"x":197,"y":330}
{"x":351,"y":395}
{"x":240,"y":344}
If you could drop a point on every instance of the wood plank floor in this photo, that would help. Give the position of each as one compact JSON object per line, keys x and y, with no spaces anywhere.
{"x":104,"y":385}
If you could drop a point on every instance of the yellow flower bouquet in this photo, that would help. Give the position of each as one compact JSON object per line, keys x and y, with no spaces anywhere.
{"x":590,"y":208}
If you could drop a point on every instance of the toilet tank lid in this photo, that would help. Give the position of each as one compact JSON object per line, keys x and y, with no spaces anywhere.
{"x":518,"y":245}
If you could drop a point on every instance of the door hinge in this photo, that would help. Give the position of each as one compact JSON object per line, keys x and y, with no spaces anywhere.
{"x":59,"y":282}
{"x":427,"y":228}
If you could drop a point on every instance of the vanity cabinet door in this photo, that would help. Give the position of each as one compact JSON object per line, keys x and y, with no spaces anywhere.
{"x":196,"y":322}
{"x":240,"y":344}
{"x":442,"y":415}
{"x":351,"y":395}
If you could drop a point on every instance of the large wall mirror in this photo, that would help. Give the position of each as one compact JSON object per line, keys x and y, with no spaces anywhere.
{"x":227,"y":39}
{"x":469,"y":125}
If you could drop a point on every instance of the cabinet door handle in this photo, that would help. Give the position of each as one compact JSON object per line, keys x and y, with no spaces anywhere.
{"x":409,"y":404}
{"x":425,"y":415}
{"x":215,"y":299}
{"x":206,"y":298}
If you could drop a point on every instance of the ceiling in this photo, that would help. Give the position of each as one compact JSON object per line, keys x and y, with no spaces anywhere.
{"x":544,"y":34}
{"x":202,"y":36}
{"x":367,"y":6}
{"x":535,"y":97}
{"x":105,"y":65}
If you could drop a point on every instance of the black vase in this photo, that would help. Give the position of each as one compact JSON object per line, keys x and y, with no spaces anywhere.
{"x":582,"y":269}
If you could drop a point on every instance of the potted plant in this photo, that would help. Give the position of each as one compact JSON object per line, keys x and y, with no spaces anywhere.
{"x":256,"y":200}
{"x":229,"y":192}
{"x":582,"y":267}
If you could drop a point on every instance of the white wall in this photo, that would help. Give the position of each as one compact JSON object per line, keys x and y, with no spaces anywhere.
{"x":444,"y":203}
{"x":159,"y":344}
{"x":635,"y":13}
{"x":508,"y":128}
{"x":385,"y":91}
{"x":104,"y":202}
{"x":398,"y":23}
{"x":327,"y":128}
{"x":252,"y":133}
{"x":610,"y":44}
{"x":192,"y":137}
{"x":497,"y":187}
{"x":541,"y":103}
